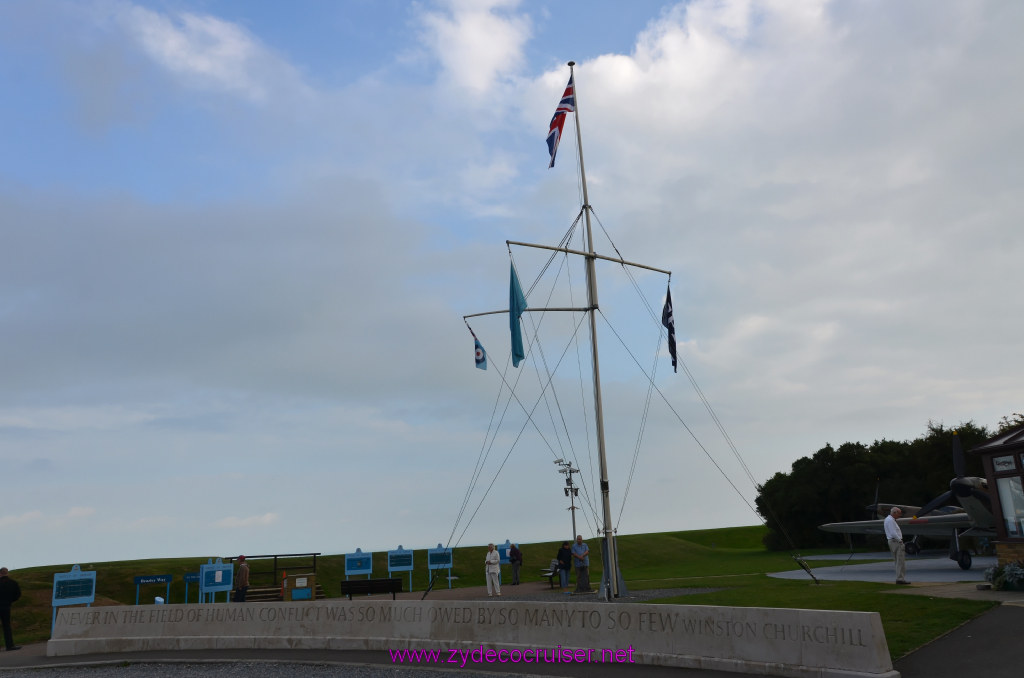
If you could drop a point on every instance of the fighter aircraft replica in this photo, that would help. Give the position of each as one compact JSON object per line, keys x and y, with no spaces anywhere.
{"x":976,"y":519}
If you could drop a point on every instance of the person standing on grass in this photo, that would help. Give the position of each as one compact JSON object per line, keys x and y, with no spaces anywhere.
{"x":9,"y":592}
{"x":894,"y":535}
{"x":492,"y":570}
{"x":515,"y":559}
{"x":241,"y":580}
{"x":581,"y":558}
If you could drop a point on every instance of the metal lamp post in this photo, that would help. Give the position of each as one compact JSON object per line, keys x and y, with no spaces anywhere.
{"x":570,"y":488}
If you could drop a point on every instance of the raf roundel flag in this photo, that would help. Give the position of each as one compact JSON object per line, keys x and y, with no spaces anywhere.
{"x":481,"y":355}
{"x":566,"y":106}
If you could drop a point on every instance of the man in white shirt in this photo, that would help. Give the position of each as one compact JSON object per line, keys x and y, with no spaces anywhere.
{"x":895,"y":536}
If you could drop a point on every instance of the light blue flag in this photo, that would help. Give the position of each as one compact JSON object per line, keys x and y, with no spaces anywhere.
{"x":516,"y":306}
{"x":481,"y":355}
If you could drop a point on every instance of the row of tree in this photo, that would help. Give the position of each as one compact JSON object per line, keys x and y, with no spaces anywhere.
{"x":840,"y":484}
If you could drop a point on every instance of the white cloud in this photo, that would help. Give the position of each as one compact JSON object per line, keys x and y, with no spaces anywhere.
{"x":69,"y":419}
{"x":211,"y":53}
{"x":10,"y":521}
{"x":478,"y":42}
{"x":248,"y":521}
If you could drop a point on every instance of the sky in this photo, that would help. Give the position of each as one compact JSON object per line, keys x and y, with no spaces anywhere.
{"x":239,"y":240}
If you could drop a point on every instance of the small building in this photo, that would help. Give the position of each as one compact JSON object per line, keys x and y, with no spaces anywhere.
{"x":1003,"y":459}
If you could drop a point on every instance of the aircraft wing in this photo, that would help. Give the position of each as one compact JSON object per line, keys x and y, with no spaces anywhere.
{"x":928,"y":526}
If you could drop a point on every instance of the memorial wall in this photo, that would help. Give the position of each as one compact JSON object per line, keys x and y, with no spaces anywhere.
{"x":769,"y":641}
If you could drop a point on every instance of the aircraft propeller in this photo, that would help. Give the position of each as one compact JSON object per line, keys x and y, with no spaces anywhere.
{"x":959,"y":486}
{"x":873,"y":509}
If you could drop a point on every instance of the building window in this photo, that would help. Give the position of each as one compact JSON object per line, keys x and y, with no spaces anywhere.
{"x":1011,"y":498}
{"x":1003,"y":464}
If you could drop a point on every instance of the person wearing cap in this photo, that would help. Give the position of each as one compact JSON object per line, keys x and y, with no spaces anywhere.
{"x":9,"y":592}
{"x":241,"y":580}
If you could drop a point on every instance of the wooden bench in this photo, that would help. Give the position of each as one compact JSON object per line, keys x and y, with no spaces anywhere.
{"x":369,"y":586}
{"x":551,"y":573}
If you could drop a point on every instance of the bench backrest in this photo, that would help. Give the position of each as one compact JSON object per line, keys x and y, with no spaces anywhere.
{"x":390,"y":585}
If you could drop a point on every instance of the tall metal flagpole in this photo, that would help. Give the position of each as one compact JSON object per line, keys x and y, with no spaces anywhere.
{"x":609,"y":534}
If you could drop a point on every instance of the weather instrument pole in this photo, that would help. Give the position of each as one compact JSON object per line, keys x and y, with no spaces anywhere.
{"x":571,"y":490}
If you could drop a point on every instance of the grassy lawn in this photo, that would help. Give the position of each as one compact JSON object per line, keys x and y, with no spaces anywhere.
{"x":730,"y":559}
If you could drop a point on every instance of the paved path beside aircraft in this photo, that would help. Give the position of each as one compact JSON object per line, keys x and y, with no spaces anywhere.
{"x":924,"y":568}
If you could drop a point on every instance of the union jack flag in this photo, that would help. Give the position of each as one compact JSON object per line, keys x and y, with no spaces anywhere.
{"x":565,"y":106}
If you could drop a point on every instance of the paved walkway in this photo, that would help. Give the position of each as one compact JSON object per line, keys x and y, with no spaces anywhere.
{"x":926,"y":567}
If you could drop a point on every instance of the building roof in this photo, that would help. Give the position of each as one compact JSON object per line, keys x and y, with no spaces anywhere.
{"x":1007,"y":441}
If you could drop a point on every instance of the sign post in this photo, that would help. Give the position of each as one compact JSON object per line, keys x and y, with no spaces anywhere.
{"x":153,"y":579}
{"x":190,"y":578}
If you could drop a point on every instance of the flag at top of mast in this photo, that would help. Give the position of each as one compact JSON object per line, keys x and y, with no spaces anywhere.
{"x":565,"y":106}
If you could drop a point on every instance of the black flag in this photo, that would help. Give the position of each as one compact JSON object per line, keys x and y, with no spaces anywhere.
{"x":670,"y":323}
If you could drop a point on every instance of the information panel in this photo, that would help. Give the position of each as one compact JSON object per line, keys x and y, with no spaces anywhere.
{"x":358,"y":563}
{"x":72,"y":588}
{"x":440,"y":559}
{"x":215,"y":577}
{"x":153,"y":579}
{"x":191,"y":578}
{"x":400,"y":560}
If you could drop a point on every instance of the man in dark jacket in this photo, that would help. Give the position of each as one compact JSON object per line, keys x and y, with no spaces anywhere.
{"x":515,"y":558}
{"x":564,"y":563}
{"x":9,"y":592}
{"x":241,"y":580}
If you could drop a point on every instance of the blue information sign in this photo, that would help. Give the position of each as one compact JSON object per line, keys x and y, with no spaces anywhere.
{"x":358,"y":563}
{"x":190,"y":578}
{"x":400,"y":560}
{"x":153,"y":579}
{"x":440,"y":559}
{"x":503,"y":552}
{"x":215,"y":577}
{"x":72,"y":588}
